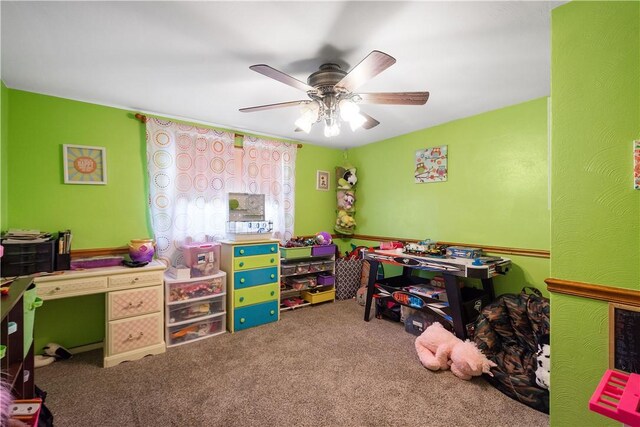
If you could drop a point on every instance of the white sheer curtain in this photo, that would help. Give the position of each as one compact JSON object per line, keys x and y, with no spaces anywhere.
{"x":190,"y":171}
{"x":269,"y":168}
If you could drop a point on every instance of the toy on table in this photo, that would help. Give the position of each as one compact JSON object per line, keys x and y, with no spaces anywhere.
{"x":439,"y":349}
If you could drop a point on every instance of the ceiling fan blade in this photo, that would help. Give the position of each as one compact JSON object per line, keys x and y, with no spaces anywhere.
{"x":271,"y":72}
{"x":375,"y":63}
{"x":370,"y":123}
{"x":272,"y":106}
{"x":397,"y":98}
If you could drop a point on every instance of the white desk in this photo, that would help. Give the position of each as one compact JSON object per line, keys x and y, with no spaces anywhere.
{"x":134,"y":315}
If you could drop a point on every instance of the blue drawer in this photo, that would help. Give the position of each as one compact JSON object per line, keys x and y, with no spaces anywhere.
{"x":254,"y":315}
{"x":262,"y":276}
{"x":240,"y":251}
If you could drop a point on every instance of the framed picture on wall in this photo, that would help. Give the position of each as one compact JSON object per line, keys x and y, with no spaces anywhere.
{"x":84,"y":164}
{"x":322,"y":181}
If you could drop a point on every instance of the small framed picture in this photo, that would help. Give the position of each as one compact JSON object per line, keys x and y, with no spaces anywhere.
{"x":84,"y":165}
{"x":322,"y":181}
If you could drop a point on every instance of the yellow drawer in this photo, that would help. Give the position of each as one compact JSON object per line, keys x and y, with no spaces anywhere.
{"x":255,"y":261}
{"x":71,"y":287}
{"x":134,"y":302}
{"x":316,"y":297}
{"x":134,"y":333}
{"x":136,"y":279}
{"x":256,"y":294}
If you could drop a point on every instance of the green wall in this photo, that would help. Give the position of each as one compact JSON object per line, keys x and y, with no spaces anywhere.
{"x":496,"y":193}
{"x":109,"y":215}
{"x":595,"y":219}
{"x":4,"y":158}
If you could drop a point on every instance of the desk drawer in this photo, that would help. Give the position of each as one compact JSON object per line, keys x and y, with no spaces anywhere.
{"x":255,"y":262}
{"x":135,"y":302}
{"x":61,"y":288}
{"x":254,"y":315}
{"x":134,"y":333}
{"x":245,"y":279}
{"x":256,"y":294}
{"x":136,"y":279}
{"x":243,"y":251}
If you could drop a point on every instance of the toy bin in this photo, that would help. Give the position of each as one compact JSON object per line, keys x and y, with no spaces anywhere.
{"x":327,"y":265}
{"x":299,"y":283}
{"x":292,"y":253}
{"x":182,"y":312}
{"x":303,"y":267}
{"x":287,"y":269}
{"x":326,"y":279}
{"x":195,"y":288}
{"x":315,"y":297}
{"x":181,"y":334}
{"x":315,"y":266}
{"x":325,"y":250}
{"x":202,"y":258}
{"x":31,"y":302}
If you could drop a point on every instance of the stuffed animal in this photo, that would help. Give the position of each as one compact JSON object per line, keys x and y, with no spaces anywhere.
{"x":434,"y":346}
{"x":348,"y":179}
{"x":468,"y":361}
{"x":440,"y":349}
{"x":345,"y":220}
{"x":543,"y":362}
{"x":346,"y":199}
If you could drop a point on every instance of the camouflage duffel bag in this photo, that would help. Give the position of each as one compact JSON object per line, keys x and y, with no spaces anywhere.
{"x":507,"y":332}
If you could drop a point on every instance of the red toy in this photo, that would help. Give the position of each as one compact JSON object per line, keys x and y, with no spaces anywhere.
{"x":618,"y":397}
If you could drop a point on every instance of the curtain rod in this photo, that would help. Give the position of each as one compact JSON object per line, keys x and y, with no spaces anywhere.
{"x":145,"y":119}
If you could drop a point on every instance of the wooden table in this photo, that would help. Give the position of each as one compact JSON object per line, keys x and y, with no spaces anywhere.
{"x":450,"y":268}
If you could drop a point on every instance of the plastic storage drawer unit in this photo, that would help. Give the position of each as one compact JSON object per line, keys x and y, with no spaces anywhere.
{"x":191,"y":310}
{"x":195,"y":331}
{"x":196,"y":288}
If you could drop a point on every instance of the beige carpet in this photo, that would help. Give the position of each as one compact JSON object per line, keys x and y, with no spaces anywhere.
{"x":318,"y":366}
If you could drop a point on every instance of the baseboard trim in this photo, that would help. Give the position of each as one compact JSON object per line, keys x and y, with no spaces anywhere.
{"x":593,"y":291}
{"x":85,"y":348}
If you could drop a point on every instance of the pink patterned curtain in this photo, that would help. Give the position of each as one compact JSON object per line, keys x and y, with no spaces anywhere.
{"x":269,"y":168}
{"x":191,"y":169}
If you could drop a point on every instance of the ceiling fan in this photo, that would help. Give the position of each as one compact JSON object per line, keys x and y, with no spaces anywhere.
{"x":331,"y":90}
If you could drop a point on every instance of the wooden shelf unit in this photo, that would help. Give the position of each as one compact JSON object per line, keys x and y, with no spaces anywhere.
{"x":15,"y":364}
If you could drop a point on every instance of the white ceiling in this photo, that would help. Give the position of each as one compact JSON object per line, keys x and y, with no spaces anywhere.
{"x":191,"y":59}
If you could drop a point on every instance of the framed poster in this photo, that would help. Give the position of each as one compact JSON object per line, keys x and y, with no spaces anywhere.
{"x":84,"y":164}
{"x":431,"y":165}
{"x":322,"y":181}
{"x":624,"y":338}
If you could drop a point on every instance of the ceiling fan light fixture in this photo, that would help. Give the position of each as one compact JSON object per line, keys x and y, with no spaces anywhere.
{"x":331,"y":130}
{"x":357,"y":121}
{"x":308,"y":116}
{"x":349,"y":110}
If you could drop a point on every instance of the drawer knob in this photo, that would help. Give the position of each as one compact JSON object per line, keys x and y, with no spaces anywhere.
{"x":273,"y":293}
{"x":57,"y":289}
{"x":242,"y":320}
{"x":241,"y":299}
{"x":273,"y":276}
{"x":242,"y":264}
{"x":272,"y":312}
{"x":242,"y":280}
{"x":273,"y":260}
{"x":241,"y":251}
{"x":273,"y":248}
{"x":141,"y":303}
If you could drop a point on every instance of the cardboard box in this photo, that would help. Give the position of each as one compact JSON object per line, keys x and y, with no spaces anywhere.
{"x":463,"y":252}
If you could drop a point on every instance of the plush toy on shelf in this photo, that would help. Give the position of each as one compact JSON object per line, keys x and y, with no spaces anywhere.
{"x":345,"y":223}
{"x":346,"y":177}
{"x":439,"y":349}
{"x":346,"y":199}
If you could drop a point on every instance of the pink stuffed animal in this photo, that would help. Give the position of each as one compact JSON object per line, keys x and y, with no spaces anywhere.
{"x":468,"y":361}
{"x":436,"y":346}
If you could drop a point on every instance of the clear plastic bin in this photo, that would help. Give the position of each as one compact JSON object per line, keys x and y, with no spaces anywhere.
{"x":300,"y":283}
{"x":327,"y":265}
{"x":287,"y":269}
{"x":192,"y":310}
{"x":303,"y":267}
{"x":193,"y":331}
{"x":316,"y":266}
{"x":202,"y":258}
{"x":184,"y":290}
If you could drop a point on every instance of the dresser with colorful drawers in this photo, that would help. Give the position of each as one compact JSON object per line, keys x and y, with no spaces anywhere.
{"x":253,"y":289}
